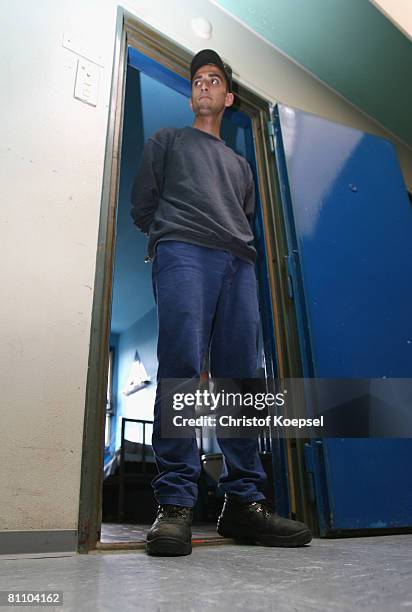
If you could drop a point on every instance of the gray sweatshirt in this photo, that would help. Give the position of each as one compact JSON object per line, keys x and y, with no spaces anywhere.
{"x":192,"y":187}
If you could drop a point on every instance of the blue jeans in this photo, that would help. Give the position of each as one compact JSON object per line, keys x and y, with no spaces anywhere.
{"x":206,"y":299}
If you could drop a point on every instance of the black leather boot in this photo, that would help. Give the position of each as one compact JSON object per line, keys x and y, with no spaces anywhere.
{"x":171,"y":533}
{"x":254,"y":523}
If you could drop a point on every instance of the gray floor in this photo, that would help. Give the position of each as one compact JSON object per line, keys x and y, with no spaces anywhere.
{"x":368,"y":574}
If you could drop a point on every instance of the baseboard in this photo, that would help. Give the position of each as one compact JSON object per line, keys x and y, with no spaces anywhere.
{"x":37,"y":541}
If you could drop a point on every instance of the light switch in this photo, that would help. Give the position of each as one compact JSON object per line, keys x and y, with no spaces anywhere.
{"x":86,"y":87}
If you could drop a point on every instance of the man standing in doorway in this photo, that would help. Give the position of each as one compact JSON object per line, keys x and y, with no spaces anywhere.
{"x":193,"y":196}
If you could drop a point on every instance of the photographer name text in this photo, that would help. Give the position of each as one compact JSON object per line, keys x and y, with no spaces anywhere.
{"x":230,"y":421}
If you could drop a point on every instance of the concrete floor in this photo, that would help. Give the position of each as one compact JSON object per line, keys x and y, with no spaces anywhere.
{"x":368,"y":574}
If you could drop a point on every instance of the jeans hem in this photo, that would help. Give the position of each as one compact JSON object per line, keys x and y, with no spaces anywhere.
{"x":250,"y":498}
{"x":175,"y":501}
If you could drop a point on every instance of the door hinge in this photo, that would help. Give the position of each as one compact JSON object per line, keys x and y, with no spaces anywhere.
{"x":271,"y":132}
{"x":289,"y":275}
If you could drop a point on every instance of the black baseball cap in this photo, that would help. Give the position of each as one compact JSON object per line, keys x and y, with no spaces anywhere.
{"x":208,"y":56}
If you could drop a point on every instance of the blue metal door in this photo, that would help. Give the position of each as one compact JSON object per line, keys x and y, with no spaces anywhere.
{"x":349,"y":231}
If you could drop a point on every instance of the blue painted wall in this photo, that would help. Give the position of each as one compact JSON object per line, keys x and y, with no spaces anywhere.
{"x":149,"y":105}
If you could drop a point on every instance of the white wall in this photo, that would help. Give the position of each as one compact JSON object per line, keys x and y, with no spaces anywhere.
{"x":52,"y":153}
{"x":399,"y":12}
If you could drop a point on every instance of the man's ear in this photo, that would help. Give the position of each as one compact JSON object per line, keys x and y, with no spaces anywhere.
{"x":190,"y":104}
{"x":230,"y":98}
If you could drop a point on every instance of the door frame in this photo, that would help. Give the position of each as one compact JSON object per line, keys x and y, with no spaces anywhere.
{"x":131,"y":31}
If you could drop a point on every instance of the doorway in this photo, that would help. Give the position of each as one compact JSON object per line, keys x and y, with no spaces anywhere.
{"x":147,"y":70}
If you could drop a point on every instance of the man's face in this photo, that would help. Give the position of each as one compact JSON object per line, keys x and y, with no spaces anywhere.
{"x":210,"y":94}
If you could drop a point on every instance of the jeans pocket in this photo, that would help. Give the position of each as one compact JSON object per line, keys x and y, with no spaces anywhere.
{"x":169,"y":253}
{"x":154,"y":277}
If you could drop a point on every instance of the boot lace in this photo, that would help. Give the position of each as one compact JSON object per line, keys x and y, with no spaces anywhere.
{"x":263,"y":507}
